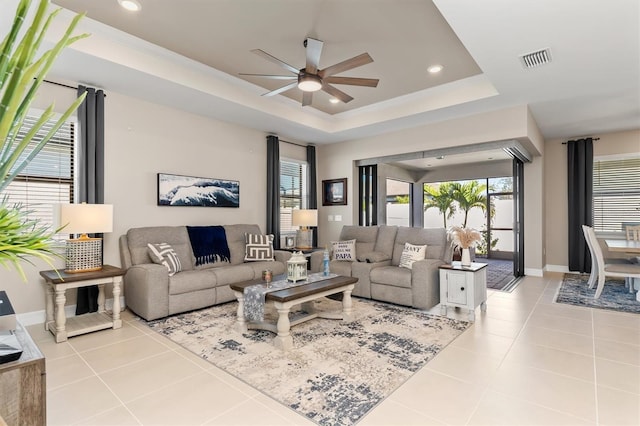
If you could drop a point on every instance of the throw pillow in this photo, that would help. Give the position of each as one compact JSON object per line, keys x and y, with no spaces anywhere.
{"x":164,"y":254}
{"x":344,"y":250}
{"x":410,"y":254}
{"x":258,"y":247}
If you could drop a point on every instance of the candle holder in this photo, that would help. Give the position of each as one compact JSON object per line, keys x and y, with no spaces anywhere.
{"x":267,"y":277}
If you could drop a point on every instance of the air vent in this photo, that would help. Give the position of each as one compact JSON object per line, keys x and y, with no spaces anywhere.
{"x":535,"y":59}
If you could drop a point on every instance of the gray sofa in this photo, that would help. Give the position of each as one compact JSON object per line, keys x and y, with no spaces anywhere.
{"x":151,"y":293}
{"x":378,"y":250}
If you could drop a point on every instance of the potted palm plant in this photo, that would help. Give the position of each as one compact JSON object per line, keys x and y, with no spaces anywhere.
{"x":22,"y":72}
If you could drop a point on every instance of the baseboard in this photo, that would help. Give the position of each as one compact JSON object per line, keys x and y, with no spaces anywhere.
{"x":38,"y":317}
{"x":533,"y":272}
{"x":557,"y":268}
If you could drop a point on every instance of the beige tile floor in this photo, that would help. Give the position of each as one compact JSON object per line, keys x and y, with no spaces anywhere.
{"x":526,"y":361}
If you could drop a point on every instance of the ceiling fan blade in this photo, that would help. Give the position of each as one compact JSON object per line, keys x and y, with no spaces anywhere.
{"x":273,"y":77}
{"x":336,"y":93}
{"x":306,"y":98}
{"x":353,"y":81}
{"x":282,"y":89}
{"x":275,"y":60}
{"x":314,"y":49}
{"x":356,"y":61}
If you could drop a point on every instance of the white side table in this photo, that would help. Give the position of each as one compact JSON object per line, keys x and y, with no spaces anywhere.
{"x":463,"y":287}
{"x":58,"y":282}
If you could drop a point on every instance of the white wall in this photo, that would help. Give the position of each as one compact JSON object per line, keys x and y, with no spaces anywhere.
{"x":142,"y":139}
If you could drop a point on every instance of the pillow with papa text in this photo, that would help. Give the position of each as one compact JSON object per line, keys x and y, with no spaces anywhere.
{"x":164,"y":254}
{"x":344,"y":250}
{"x":410,"y":254}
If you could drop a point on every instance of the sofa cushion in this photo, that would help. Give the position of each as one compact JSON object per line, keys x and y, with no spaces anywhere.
{"x":434,"y":238}
{"x":232,"y":274}
{"x":344,"y":250}
{"x":176,"y":236}
{"x":340,"y":268}
{"x":391,"y":275}
{"x":386,"y":239}
{"x":163,"y":254}
{"x":412,"y":253}
{"x":188,"y":281}
{"x":236,"y":240}
{"x":365,"y":237}
{"x":258,"y":247}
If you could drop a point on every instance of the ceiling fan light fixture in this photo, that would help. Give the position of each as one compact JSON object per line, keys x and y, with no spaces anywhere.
{"x":131,"y":5}
{"x":309,"y":82}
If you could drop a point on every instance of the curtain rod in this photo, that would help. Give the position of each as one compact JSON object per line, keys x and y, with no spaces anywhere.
{"x":66,"y":85}
{"x":595,"y":139}
{"x":293,"y":143}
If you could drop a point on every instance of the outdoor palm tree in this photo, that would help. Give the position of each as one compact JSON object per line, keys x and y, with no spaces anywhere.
{"x":441,"y":198}
{"x":469,"y":195}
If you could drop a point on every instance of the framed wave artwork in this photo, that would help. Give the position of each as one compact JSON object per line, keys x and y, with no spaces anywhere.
{"x":178,"y":190}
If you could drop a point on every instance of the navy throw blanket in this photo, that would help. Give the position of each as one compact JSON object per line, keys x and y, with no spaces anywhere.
{"x":209,"y":244}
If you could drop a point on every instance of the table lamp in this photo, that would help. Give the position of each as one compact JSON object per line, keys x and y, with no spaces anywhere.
{"x":84,"y":254}
{"x":304,"y":219}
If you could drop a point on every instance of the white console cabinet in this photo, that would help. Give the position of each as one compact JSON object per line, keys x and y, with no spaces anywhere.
{"x":463,"y":287}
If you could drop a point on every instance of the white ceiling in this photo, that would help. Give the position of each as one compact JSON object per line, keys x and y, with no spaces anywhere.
{"x":591,"y":86}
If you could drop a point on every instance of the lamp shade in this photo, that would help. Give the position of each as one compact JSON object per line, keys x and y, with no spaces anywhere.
{"x":304,"y":218}
{"x":85,"y":218}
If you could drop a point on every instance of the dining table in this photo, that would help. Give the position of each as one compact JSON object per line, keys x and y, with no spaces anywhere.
{"x":630,"y":247}
{"x":624,"y":246}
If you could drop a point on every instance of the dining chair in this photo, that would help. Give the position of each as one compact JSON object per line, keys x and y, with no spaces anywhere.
{"x":628,"y":271}
{"x":633,"y":233}
{"x":593,"y":277}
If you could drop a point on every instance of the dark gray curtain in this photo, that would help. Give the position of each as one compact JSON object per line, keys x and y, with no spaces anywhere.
{"x":580,"y":198}
{"x":90,"y":171}
{"x":313,"y":185}
{"x":273,"y":189}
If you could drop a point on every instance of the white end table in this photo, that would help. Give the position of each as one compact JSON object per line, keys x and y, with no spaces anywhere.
{"x":463,"y":287}
{"x":59,"y":281}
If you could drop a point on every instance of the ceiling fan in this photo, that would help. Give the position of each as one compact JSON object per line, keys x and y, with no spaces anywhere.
{"x":311,"y":79}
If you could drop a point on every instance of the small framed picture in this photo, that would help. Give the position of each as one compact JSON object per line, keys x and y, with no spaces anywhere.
{"x":290,"y":241}
{"x":334,"y":192}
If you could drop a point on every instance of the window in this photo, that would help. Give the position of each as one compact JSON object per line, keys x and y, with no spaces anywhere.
{"x":49,"y":178}
{"x":398,"y":202}
{"x":616,"y":193}
{"x":293,"y":192}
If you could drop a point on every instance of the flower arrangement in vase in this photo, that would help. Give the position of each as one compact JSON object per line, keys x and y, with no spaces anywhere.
{"x":464,"y":238}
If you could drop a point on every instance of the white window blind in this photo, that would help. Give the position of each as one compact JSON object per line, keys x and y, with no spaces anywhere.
{"x":293,"y":191}
{"x":616,"y":194}
{"x":48,"y":179}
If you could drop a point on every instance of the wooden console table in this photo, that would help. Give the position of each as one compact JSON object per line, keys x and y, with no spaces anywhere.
{"x":57,"y":322}
{"x":23,"y":385}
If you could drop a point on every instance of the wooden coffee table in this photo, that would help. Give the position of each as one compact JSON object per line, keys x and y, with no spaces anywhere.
{"x":284,"y":299}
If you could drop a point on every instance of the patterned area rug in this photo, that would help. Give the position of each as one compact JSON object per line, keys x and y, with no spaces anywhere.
{"x":337,"y":371}
{"x":615,"y":296}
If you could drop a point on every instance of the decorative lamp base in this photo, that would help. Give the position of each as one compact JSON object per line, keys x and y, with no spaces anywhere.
{"x":304,"y":239}
{"x":83,"y":255}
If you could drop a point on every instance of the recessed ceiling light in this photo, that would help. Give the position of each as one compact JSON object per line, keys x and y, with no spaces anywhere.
{"x":131,"y":5}
{"x":433,"y":69}
{"x":334,"y":100}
